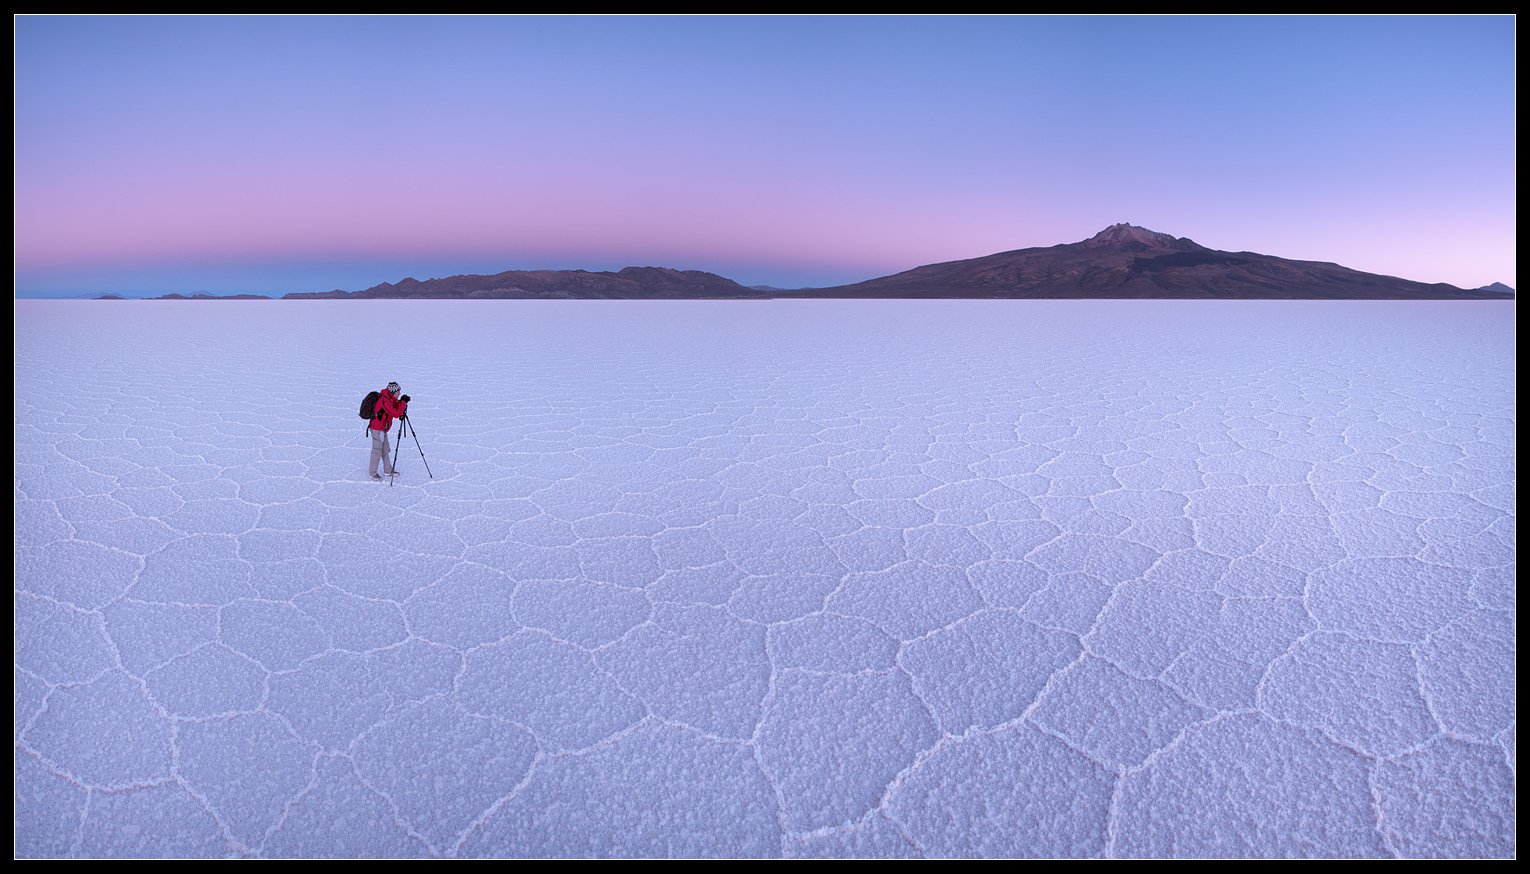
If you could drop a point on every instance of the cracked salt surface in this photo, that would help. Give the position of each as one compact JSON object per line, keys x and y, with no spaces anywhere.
{"x":767,"y":579}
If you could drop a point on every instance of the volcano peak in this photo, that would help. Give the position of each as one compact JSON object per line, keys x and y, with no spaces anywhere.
{"x":1123,"y":234}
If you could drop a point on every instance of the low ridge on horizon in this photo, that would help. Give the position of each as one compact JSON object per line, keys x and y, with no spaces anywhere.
{"x":1122,"y":261}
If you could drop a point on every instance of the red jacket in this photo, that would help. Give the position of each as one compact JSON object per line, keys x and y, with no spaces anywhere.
{"x":386,"y":410}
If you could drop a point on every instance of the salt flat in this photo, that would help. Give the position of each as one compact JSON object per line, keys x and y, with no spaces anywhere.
{"x":906,"y":578}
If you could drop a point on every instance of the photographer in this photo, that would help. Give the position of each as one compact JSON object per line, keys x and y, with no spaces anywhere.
{"x":390,"y":405}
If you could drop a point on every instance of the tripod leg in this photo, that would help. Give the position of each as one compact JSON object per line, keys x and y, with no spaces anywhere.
{"x":415,"y":434}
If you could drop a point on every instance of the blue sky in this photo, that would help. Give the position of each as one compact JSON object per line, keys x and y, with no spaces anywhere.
{"x":278,"y":154}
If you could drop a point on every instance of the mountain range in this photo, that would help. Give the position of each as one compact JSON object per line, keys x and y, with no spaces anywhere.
{"x":1122,"y":261}
{"x":629,"y":283}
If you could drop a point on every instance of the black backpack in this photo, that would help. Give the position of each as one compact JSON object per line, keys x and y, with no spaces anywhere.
{"x":369,"y":404}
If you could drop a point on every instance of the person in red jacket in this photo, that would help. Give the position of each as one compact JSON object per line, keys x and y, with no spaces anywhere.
{"x":390,"y":405}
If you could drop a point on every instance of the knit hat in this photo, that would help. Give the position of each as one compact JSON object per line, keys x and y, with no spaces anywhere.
{"x":393,"y":388}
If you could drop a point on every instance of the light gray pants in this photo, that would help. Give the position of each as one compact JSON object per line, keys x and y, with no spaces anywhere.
{"x":379,"y":452}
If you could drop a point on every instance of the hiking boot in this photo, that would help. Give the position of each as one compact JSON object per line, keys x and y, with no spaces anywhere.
{"x":376,"y":476}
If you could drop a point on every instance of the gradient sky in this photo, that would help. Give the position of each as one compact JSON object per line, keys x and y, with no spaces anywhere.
{"x":273,"y":155}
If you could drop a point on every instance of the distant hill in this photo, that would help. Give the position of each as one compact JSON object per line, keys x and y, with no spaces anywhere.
{"x":201,"y":296}
{"x":1126,"y":261}
{"x":629,"y":283}
{"x":1496,"y":288}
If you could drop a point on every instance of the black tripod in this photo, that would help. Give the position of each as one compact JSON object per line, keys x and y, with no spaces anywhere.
{"x":398,"y":443}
